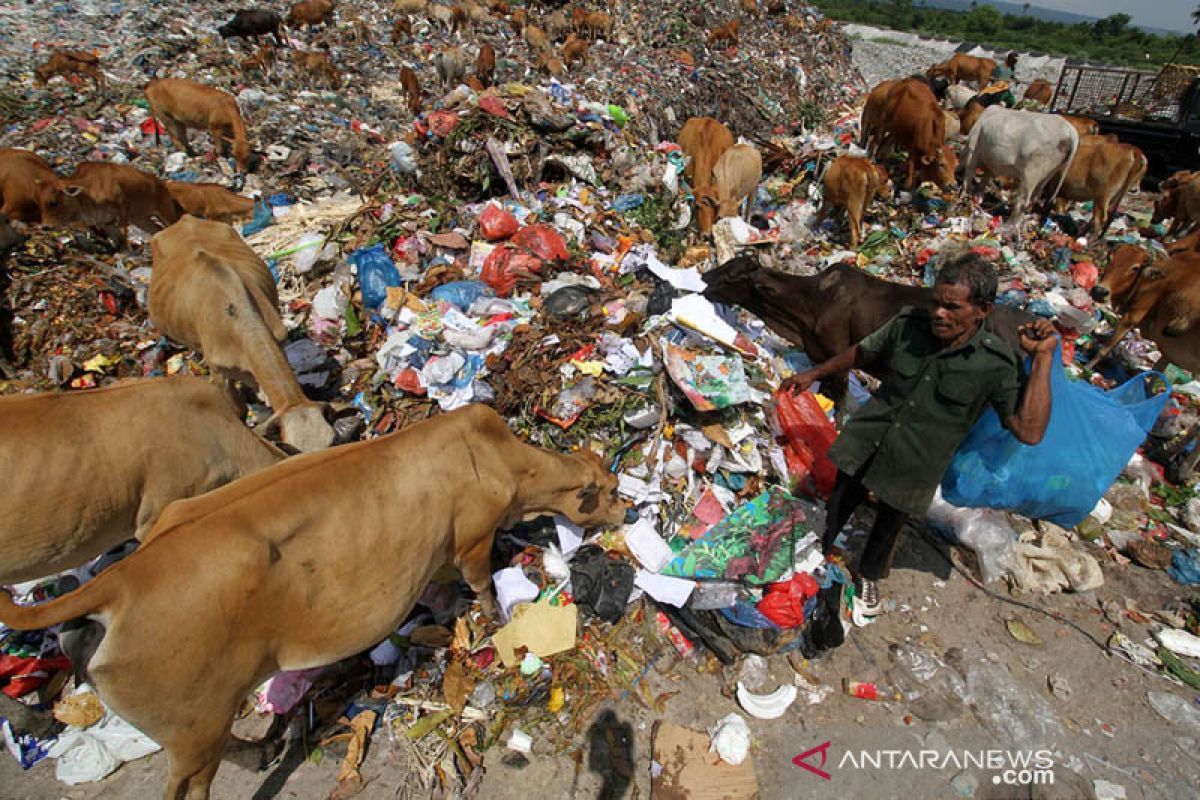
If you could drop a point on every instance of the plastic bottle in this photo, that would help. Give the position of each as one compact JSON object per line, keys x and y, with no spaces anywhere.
{"x":1174,"y":708}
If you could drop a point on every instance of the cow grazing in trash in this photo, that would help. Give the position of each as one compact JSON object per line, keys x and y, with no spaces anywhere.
{"x":32,"y":192}
{"x":70,"y":62}
{"x":149,"y":442}
{"x":704,"y":140}
{"x":735,"y":178}
{"x":451,"y":65}
{"x":1033,"y":149}
{"x":1040,"y":91}
{"x":1102,"y":172}
{"x":310,"y":13}
{"x":851,"y":183}
{"x":304,"y":564}
{"x":827,"y":313}
{"x":727,"y":33}
{"x":1180,"y":202}
{"x":251,"y":23}
{"x":962,"y":67}
{"x":412,"y":89}
{"x":211,"y":201}
{"x":181,"y":104}
{"x":111,"y":197}
{"x":1082,"y":125}
{"x":485,"y":64}
{"x":316,"y":65}
{"x":211,"y":292}
{"x":913,"y":121}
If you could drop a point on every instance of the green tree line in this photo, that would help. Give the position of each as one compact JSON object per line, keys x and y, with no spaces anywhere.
{"x":1110,"y":40}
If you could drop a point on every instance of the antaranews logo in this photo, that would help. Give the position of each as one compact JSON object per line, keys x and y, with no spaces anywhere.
{"x":1012,"y":767}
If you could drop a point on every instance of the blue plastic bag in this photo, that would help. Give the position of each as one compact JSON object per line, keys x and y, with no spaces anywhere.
{"x":1091,"y":437}
{"x":461,"y":293}
{"x":376,"y":273}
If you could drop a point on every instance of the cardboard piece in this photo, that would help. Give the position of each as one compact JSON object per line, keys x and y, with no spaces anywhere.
{"x":691,"y":772}
{"x":540,"y":628}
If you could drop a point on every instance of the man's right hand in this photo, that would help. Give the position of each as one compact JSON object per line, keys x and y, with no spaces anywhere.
{"x":800,"y":382}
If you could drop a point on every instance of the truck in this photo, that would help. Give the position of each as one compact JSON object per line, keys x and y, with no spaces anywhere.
{"x":1158,"y":111}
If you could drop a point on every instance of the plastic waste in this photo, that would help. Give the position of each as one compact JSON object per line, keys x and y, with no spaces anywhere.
{"x":1175,"y":709}
{"x":461,"y":294}
{"x":809,"y":435}
{"x":569,"y":301}
{"x":495,"y":223}
{"x":929,"y":686}
{"x":711,"y":595}
{"x":90,"y":754}
{"x":753,"y":672}
{"x":731,"y":739}
{"x":984,"y":531}
{"x":1012,"y":713}
{"x":1061,"y":478}
{"x":376,"y":273}
{"x":766,"y":706}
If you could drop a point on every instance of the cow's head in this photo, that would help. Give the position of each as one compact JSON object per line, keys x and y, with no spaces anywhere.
{"x":706,"y":208}
{"x":9,"y":237}
{"x":938,"y":71}
{"x":1127,"y":265}
{"x":59,"y":202}
{"x":42,"y":74}
{"x":302,"y":427}
{"x":941,"y":166}
{"x":736,"y":282}
{"x":226,"y":30}
{"x":593,"y":500}
{"x":883,"y":182}
{"x":241,"y":152}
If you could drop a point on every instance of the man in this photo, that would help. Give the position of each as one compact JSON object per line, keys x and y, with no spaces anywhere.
{"x":942,"y":367}
{"x":1003,"y":77}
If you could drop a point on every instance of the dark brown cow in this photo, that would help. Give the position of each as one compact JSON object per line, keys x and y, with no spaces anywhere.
{"x":827,"y":313}
{"x":412,"y":88}
{"x":485,"y":64}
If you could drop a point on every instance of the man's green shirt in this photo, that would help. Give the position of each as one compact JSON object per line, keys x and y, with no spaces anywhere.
{"x":929,"y":400}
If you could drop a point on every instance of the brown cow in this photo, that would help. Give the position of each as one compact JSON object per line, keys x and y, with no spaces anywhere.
{"x":211,"y":201}
{"x":1082,"y":125}
{"x":575,"y":50}
{"x":962,"y":67}
{"x":750,"y":8}
{"x":271,"y":572}
{"x":317,"y":66}
{"x":70,"y":497}
{"x":70,"y":62}
{"x":1161,"y":299}
{"x":310,"y":13}
{"x":485,"y":64}
{"x":459,"y":18}
{"x":794,"y":23}
{"x":579,"y":16}
{"x":551,"y":65}
{"x":1102,"y":172}
{"x":1180,"y":202}
{"x":704,"y":140}
{"x":497,"y":6}
{"x":725,"y":33}
{"x":1041,"y":91}
{"x":536,"y":38}
{"x":31,"y":192}
{"x":181,"y":104}
{"x":409,"y":6}
{"x":599,"y":24}
{"x":262,"y":60}
{"x":408,"y":79}
{"x":210,"y":292}
{"x":556,"y":24}
{"x":913,"y":121}
{"x":871,"y":125}
{"x":827,"y":313}
{"x":851,"y":183}
{"x":400,"y":28}
{"x":518,"y":20}
{"x":112,"y":196}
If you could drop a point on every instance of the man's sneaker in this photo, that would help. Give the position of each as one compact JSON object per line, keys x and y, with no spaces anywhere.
{"x":868,"y":595}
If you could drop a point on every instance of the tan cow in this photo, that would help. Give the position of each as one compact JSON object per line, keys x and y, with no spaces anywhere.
{"x":735,"y":177}
{"x":148,"y":442}
{"x":412,"y":89}
{"x":551,"y":65}
{"x":536,"y":38}
{"x":727,"y":33}
{"x":210,"y":292}
{"x":316,"y":65}
{"x":599,"y":24}
{"x":113,"y":196}
{"x":70,"y":62}
{"x":962,"y":67}
{"x":210,"y":200}
{"x":303,"y":564}
{"x":409,"y":6}
{"x":575,"y":50}
{"x":851,"y":182}
{"x":1102,"y":172}
{"x":1040,"y":91}
{"x":704,"y":140}
{"x":485,"y":64}
{"x":30,"y":191}
{"x":181,"y":104}
{"x":262,"y":61}
{"x":1082,"y":125}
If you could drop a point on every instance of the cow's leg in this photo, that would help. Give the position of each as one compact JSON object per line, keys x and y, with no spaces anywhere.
{"x":911,"y":167}
{"x":179,"y":135}
{"x":1127,"y":323}
{"x":476,"y":568}
{"x":855,"y":212}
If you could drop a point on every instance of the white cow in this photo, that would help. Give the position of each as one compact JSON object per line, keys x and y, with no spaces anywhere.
{"x":957,"y":96}
{"x":1033,"y":149}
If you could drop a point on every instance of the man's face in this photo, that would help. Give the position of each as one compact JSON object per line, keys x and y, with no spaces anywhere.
{"x":954,"y":318}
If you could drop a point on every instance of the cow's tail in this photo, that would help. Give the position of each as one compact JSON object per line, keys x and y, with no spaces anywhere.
{"x":87,"y":599}
{"x":1066,"y":165}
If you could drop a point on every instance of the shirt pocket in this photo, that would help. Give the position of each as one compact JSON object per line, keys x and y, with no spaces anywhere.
{"x":957,"y":393}
{"x":904,"y":370}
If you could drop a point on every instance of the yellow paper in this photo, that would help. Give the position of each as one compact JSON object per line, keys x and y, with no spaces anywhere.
{"x":541,"y":628}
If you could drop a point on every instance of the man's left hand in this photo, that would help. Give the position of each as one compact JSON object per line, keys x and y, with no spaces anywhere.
{"x":1038,"y":337}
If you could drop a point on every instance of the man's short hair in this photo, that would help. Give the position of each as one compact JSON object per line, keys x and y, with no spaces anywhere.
{"x":974,"y":272}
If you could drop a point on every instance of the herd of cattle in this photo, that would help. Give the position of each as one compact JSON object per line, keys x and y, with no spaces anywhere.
{"x":258,"y":574}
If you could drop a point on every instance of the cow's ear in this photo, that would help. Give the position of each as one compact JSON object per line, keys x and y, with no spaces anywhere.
{"x":72,"y":191}
{"x":927,"y":160}
{"x":1153,"y":273}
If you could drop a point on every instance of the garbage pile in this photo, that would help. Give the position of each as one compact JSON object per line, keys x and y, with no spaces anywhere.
{"x":528,"y":247}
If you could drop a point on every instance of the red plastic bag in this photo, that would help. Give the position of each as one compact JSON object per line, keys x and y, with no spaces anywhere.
{"x":20,"y":675}
{"x":1085,"y":274}
{"x":809,"y":433}
{"x":495,"y":223}
{"x":441,"y":123}
{"x":543,"y":241}
{"x":494,"y":106}
{"x":504,"y":265}
{"x":783,"y":602}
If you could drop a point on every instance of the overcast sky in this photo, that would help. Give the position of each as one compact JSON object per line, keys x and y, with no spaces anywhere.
{"x":1173,"y":15}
